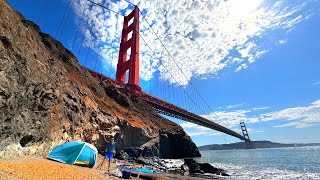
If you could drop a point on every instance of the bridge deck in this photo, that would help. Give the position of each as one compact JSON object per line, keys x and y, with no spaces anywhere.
{"x":172,"y":110}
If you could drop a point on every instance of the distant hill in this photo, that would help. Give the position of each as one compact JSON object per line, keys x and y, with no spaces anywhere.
{"x":253,"y":145}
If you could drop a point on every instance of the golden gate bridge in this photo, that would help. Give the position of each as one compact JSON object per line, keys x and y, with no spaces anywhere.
{"x":131,"y":65}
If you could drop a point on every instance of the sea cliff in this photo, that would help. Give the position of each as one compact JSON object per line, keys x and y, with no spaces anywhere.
{"x":47,"y":98}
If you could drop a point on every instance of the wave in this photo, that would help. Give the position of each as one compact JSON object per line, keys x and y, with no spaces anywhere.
{"x":239,"y":172}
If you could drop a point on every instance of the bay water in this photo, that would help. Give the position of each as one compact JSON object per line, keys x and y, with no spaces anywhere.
{"x":273,"y":163}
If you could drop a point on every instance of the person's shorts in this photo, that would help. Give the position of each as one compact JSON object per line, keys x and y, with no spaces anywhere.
{"x":108,"y":155}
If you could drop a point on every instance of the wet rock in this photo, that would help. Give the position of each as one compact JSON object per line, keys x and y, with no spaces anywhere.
{"x":122,"y":155}
{"x":133,"y":152}
{"x":195,"y":167}
{"x":208,"y":168}
{"x":224,"y":174}
{"x":189,"y":161}
{"x":185,"y":168}
{"x":143,"y":161}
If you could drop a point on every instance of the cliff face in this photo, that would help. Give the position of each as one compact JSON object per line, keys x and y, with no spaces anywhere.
{"x":46,"y":97}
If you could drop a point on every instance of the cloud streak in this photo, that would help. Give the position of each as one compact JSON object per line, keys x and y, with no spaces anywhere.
{"x":297,"y":117}
{"x":196,"y":130}
{"x":316,"y":83}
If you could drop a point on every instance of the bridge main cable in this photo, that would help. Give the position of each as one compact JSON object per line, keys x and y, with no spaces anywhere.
{"x":197,"y":92}
{"x":167,"y":108}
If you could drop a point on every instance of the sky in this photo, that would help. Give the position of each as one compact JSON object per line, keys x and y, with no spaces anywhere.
{"x":254,"y":61}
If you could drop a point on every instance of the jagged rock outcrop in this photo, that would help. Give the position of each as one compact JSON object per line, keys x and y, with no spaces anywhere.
{"x":46,"y":98}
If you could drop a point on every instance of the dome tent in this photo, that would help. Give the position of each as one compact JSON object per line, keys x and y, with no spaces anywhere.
{"x":76,"y":152}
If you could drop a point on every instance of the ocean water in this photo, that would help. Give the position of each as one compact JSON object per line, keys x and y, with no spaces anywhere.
{"x":275,"y":163}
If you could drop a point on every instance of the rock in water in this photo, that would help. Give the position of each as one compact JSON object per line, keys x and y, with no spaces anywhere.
{"x":47,"y":98}
{"x":185,"y":168}
{"x":208,"y":168}
{"x":195,"y":167}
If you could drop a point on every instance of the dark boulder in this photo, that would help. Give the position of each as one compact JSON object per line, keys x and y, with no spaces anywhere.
{"x":224,"y":174}
{"x":208,"y":168}
{"x":184,"y":168}
{"x":143,"y":161}
{"x":194,"y":168}
{"x":173,"y":143}
{"x":133,"y":152}
{"x":189,"y":161}
{"x":122,"y":155}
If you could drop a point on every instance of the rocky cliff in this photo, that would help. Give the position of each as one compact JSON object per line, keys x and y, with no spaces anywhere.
{"x":46,"y":98}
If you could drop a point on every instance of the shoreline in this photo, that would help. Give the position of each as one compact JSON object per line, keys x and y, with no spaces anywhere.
{"x":43,"y":168}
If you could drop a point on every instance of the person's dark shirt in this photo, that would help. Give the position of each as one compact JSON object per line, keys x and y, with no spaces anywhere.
{"x":111,"y":146}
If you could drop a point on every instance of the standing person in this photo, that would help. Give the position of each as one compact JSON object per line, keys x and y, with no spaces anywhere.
{"x":110,"y":150}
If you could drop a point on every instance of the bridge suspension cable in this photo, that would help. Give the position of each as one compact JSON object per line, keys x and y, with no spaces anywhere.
{"x":161,"y":62}
{"x":105,"y":7}
{"x":66,"y":12}
{"x":193,"y":117}
{"x":41,"y":11}
{"x":168,"y":71}
{"x":197,"y":92}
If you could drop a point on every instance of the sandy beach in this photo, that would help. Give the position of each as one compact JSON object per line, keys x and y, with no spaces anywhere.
{"x":41,"y":168}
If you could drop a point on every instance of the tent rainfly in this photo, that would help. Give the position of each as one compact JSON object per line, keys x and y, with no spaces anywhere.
{"x":76,"y":152}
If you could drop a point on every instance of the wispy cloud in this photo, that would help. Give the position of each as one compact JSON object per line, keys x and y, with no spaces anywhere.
{"x":299,"y":117}
{"x":295,"y":124}
{"x":282,"y":41}
{"x":316,"y":83}
{"x":196,"y":130}
{"x":250,"y":130}
{"x":232,"y":118}
{"x":193,"y":32}
{"x":260,"y":108}
{"x":234,"y":106}
{"x":259,"y":131}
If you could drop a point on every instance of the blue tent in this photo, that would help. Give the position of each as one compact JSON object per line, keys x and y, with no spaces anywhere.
{"x":76,"y":152}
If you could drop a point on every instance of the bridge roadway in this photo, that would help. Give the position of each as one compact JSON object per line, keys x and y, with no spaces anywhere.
{"x":172,"y":110}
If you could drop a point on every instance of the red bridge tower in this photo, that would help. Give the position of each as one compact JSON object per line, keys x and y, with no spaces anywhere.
{"x":132,"y":64}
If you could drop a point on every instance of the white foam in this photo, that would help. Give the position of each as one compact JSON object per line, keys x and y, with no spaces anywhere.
{"x":170,"y":163}
{"x":252,"y":172}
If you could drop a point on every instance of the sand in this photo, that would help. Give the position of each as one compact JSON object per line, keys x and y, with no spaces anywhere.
{"x":40,"y":168}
